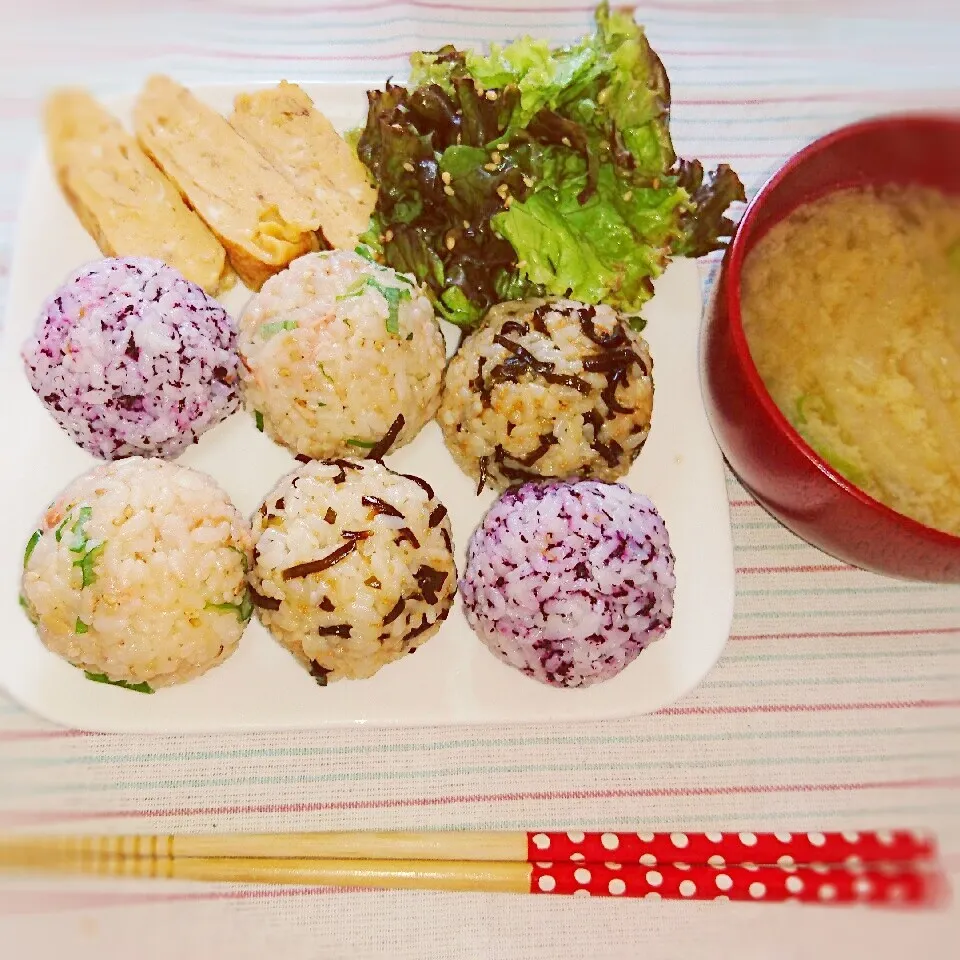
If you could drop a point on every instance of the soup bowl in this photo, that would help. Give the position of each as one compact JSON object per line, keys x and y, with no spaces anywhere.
{"x":769,"y":457}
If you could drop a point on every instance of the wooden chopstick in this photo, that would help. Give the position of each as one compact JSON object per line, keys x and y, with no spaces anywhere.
{"x":875,"y":885}
{"x":645,"y":849}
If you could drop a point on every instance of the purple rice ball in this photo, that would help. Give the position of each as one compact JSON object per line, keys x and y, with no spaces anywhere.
{"x":132,"y":359}
{"x":569,"y":581}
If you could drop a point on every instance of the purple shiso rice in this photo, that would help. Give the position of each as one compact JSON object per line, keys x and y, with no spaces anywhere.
{"x":132,"y":359}
{"x":569,"y":581}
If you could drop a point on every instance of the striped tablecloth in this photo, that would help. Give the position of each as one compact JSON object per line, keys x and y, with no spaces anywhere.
{"x":835,"y":705}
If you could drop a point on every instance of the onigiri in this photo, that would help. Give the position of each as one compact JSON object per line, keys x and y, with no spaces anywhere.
{"x":136,"y":574}
{"x":569,"y":581}
{"x":353,"y":566}
{"x":133,"y":359}
{"x":335,"y":351}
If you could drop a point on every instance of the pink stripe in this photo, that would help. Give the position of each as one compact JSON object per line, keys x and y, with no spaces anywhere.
{"x":906,"y":632}
{"x":60,"y":734}
{"x":703,"y":8}
{"x":57,"y":901}
{"x":13,"y":735}
{"x":840,"y":96}
{"x":814,"y":707}
{"x":34,"y":818}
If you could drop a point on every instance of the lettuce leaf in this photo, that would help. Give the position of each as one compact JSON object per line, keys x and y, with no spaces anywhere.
{"x":531,"y":170}
{"x":591,"y":247}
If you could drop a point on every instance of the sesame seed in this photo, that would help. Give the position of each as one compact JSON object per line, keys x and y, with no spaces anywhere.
{"x":565,"y":141}
{"x":388,"y":236}
{"x":656,"y":184}
{"x":628,"y":195}
{"x":528,"y":181}
{"x":495,"y":156}
{"x":450,"y":242}
{"x":445,"y":176}
{"x":502,"y":146}
{"x":521,"y":264}
{"x":490,"y":167}
{"x":503,"y":190}
{"x":466,"y":224}
{"x":448,"y":190}
{"x":408,"y":166}
{"x":491,"y":94}
{"x":507,"y":202}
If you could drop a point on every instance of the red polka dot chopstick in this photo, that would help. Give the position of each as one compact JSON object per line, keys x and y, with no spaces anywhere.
{"x":719,"y":849}
{"x":896,"y":868}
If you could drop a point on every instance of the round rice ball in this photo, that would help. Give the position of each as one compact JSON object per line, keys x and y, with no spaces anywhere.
{"x":547,"y":389}
{"x":353,"y":566}
{"x":132,"y":359}
{"x":137,"y":573}
{"x":335,"y":351}
{"x":568,"y":582}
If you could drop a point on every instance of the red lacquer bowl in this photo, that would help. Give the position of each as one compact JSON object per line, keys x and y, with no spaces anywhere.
{"x":770,"y":458}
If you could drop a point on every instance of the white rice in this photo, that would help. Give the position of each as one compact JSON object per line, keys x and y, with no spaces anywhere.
{"x":327,"y":366}
{"x":391,"y":587}
{"x":507,"y":422}
{"x":568,"y":582}
{"x":139,"y":573}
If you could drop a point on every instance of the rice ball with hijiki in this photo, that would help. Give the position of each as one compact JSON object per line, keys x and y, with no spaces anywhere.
{"x":137,"y":573}
{"x":353,"y":566}
{"x":569,"y":582}
{"x":132,"y":359}
{"x":548,"y":389}
{"x":335,"y":351}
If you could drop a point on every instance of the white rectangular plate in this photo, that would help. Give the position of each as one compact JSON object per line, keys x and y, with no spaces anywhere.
{"x":453,"y":678}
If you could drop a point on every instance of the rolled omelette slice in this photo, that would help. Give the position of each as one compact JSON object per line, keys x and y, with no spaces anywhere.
{"x":299,"y":141}
{"x":123,"y":201}
{"x":259,"y":217}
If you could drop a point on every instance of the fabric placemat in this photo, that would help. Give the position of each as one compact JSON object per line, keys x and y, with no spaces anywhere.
{"x":836,"y":704}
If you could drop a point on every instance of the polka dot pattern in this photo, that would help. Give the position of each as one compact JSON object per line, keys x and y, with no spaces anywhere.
{"x":822,"y":868}
{"x":610,"y":841}
{"x":733,"y":848}
{"x":766,"y":884}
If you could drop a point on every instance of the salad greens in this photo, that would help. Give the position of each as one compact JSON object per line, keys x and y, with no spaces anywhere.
{"x":536,"y":171}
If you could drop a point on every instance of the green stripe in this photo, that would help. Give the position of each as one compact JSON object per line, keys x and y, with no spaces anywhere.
{"x":479,"y":770}
{"x":869,"y":615}
{"x":821,"y":590}
{"x":480,"y":743}
{"x":866,"y":654}
{"x":829,"y":681}
{"x":747,"y":548}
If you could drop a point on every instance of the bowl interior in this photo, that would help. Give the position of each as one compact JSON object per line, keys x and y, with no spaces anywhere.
{"x":914,"y":149}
